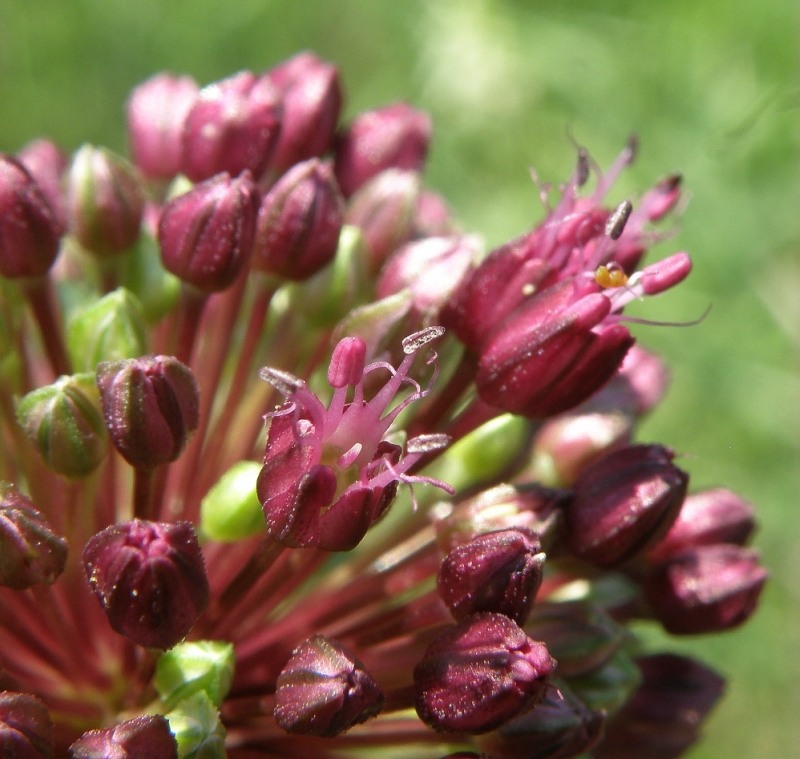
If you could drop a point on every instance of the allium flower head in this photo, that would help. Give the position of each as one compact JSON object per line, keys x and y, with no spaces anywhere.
{"x":212,"y":586}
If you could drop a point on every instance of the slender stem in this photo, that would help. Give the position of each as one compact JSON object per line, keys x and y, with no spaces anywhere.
{"x":40,"y":296}
{"x":208,"y":372}
{"x":191,"y":307}
{"x":253,"y":333}
{"x":258,"y":563}
{"x":144,"y":506}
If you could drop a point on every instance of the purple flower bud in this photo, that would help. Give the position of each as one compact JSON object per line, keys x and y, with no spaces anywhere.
{"x":206,"y":235}
{"x":480,"y":673}
{"x":498,"y":571}
{"x":64,"y":422}
{"x":624,"y":503}
{"x":568,"y":443}
{"x":431,"y":268}
{"x":552,"y":353}
{"x":233,"y":126}
{"x":706,"y":518}
{"x":706,"y":589}
{"x":297,"y":231}
{"x":393,"y":137}
{"x":156,"y":111}
{"x":46,"y":163}
{"x":560,"y":726}
{"x":146,"y":737}
{"x":384,"y":211}
{"x":533,"y":508}
{"x":150,"y":406}
{"x":324,"y":691}
{"x":30,"y":552}
{"x":665,"y":715}
{"x":26,"y":730}
{"x":433,"y":217}
{"x":311,"y":98}
{"x":149,"y":578}
{"x":29,"y":228}
{"x":105,"y":201}
{"x":639,"y":385}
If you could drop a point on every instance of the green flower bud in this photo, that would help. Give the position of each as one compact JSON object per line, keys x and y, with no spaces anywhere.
{"x":609,"y":686}
{"x":108,"y":330}
{"x":105,"y":201}
{"x":197,"y":728}
{"x":30,"y":552}
{"x":484,"y":454}
{"x":200,"y":666}
{"x":580,"y":635}
{"x":231,"y":510}
{"x":65,"y":424}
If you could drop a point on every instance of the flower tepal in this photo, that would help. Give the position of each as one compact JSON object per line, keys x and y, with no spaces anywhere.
{"x":330,"y":472}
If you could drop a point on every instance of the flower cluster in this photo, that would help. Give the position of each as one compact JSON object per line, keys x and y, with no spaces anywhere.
{"x":422,"y":527}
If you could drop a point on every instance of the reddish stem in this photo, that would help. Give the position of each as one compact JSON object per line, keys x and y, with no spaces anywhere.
{"x":144,"y":506}
{"x":191,"y":307}
{"x":40,"y":296}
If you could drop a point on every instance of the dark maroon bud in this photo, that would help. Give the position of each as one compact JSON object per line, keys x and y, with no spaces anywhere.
{"x":561,"y":726}
{"x":706,"y":518}
{"x":206,"y":234}
{"x":706,"y":589}
{"x":665,"y":715}
{"x":311,"y":98}
{"x":150,"y":406}
{"x":105,"y":201}
{"x":29,"y":228}
{"x":297,"y":231}
{"x":393,"y":137}
{"x":480,"y":673}
{"x":497,"y":571}
{"x":156,"y":111}
{"x":232,"y":126}
{"x":26,"y":730}
{"x":580,"y":635}
{"x":149,"y":578}
{"x":324,"y":691}
{"x":46,"y":163}
{"x":146,"y":737}
{"x":383,"y":209}
{"x":551,"y":353}
{"x":30,"y":552}
{"x":624,"y":503}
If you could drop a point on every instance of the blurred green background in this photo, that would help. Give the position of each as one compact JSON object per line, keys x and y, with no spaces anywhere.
{"x":711,"y":88}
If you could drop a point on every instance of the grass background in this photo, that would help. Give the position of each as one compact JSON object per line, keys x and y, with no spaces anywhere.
{"x":710,"y":87}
